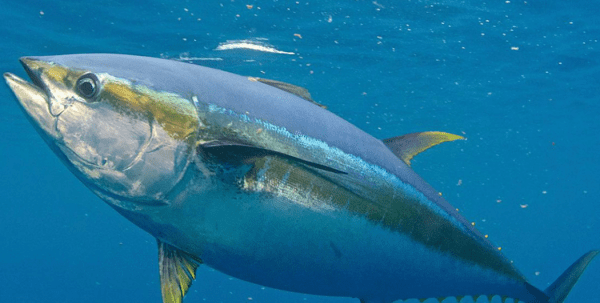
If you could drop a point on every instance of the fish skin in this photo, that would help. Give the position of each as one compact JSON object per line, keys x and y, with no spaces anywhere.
{"x":279,"y":222}
{"x":243,"y":96}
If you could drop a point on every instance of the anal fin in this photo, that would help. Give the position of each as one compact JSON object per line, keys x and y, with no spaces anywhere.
{"x":177,"y":272}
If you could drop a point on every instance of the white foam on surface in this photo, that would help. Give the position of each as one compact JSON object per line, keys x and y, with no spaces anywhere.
{"x":250,"y":45}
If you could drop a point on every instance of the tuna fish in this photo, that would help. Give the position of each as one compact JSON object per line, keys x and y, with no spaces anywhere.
{"x":255,"y":179}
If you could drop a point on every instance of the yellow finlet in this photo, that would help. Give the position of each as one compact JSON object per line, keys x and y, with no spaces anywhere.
{"x":407,"y":146}
{"x":177,"y":272}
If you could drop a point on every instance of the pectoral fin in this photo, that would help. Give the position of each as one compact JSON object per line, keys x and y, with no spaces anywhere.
{"x":177,"y":272}
{"x":407,"y":146}
{"x":231,"y":151}
{"x":290,"y":88}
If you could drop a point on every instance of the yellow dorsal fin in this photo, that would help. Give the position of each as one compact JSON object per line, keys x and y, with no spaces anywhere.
{"x":407,"y":146}
{"x":177,"y":272}
{"x":290,"y":88}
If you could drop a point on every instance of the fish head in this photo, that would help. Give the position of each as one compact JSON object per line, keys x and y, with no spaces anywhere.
{"x":125,"y":140}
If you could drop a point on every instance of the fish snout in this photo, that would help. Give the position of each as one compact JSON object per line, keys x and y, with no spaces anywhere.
{"x":34,"y":101}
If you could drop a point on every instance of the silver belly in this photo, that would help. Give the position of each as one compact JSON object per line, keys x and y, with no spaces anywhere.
{"x":320,"y":250}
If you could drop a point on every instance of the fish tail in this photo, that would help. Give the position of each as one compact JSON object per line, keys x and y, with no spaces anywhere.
{"x":558,"y":291}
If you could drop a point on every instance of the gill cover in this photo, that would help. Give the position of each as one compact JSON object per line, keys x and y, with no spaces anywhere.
{"x":123,"y":140}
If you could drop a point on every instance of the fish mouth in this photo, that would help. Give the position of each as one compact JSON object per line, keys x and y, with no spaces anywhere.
{"x":27,"y":64}
{"x":33,"y":97}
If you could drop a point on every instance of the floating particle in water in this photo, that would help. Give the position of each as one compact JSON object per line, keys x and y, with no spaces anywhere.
{"x":41,"y":13}
{"x":515,"y":48}
{"x":498,"y":201}
{"x":249,"y":6}
{"x":459,"y":183}
{"x":524,"y":205}
{"x":379,"y":6}
{"x":298,"y":35}
{"x":537,"y":273}
{"x":544,"y":192}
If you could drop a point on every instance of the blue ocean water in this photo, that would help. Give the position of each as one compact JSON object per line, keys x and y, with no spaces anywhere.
{"x":519,"y":79}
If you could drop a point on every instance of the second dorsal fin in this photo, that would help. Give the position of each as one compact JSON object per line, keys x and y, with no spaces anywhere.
{"x":290,"y":88}
{"x":407,"y":146}
{"x":177,"y":272}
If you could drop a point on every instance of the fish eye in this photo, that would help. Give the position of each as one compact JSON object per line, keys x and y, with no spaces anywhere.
{"x":88,"y":86}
